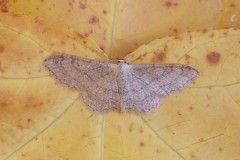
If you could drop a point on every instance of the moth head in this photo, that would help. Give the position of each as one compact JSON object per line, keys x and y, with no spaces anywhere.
{"x":121,"y":61}
{"x":118,"y":61}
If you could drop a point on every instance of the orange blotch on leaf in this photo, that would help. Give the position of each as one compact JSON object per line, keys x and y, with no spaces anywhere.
{"x":5,"y":101}
{"x":33,"y":103}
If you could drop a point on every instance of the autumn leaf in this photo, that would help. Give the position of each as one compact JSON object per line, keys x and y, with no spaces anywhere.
{"x":119,"y":27}
{"x":41,"y":119}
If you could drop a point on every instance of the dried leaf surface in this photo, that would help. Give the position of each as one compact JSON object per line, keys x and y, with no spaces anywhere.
{"x":119,"y":27}
{"x":41,"y":119}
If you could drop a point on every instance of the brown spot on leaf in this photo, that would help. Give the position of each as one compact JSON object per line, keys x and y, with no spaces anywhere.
{"x":212,"y":35}
{"x":190,"y":108}
{"x":3,"y":104}
{"x":204,"y":30}
{"x":220,"y":149}
{"x":104,"y":11}
{"x":40,"y":51}
{"x":142,"y":144}
{"x":233,"y":5}
{"x":119,"y":128}
{"x":190,"y":38}
{"x":20,"y":127}
{"x":62,"y":42}
{"x":213,"y":57}
{"x":175,"y":31}
{"x":4,"y":5}
{"x":209,"y":97}
{"x":88,"y":33}
{"x":70,"y":4}
{"x":170,"y":4}
{"x":179,"y":113}
{"x":102,"y":47}
{"x":1,"y":48}
{"x":201,"y":140}
{"x":84,"y":135}
{"x":187,"y":57}
{"x":141,"y":130}
{"x":84,"y":42}
{"x":82,"y":5}
{"x":74,"y":46}
{"x":130,"y":128}
{"x":136,"y":44}
{"x":79,"y":35}
{"x":225,"y":33}
{"x":165,"y":49}
{"x":29,"y":120}
{"x":192,"y":156}
{"x":93,"y":20}
{"x":177,"y":37}
{"x":160,"y":56}
{"x":23,"y":155}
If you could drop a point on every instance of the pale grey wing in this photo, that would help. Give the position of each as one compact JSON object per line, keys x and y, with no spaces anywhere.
{"x":147,"y":84}
{"x":96,"y":79}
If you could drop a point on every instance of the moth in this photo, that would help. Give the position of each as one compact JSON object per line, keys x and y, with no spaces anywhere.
{"x":132,"y":87}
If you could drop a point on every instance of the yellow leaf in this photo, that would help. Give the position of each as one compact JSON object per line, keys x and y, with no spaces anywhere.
{"x":32,"y":40}
{"x":40,"y":119}
{"x":119,"y":27}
